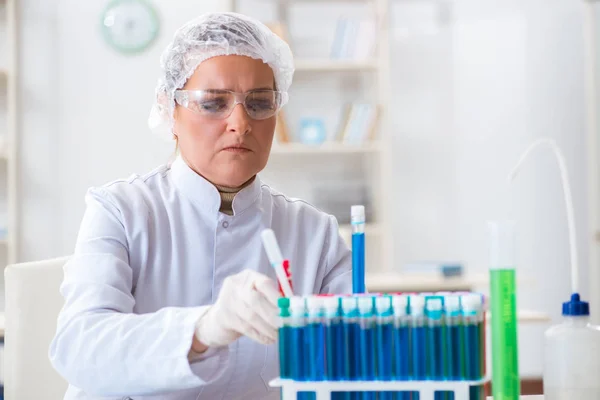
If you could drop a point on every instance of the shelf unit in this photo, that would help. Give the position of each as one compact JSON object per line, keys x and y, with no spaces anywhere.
{"x":8,"y":133}
{"x":375,"y":157}
{"x":325,"y":65}
{"x":327,"y":148}
{"x":592,"y":72}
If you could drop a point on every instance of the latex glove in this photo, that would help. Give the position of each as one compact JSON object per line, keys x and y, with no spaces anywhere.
{"x":246,"y":306}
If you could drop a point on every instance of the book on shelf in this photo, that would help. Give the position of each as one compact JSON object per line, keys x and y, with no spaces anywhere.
{"x":279,"y":29}
{"x":354,"y":39}
{"x":281,"y":129}
{"x":358,"y":123}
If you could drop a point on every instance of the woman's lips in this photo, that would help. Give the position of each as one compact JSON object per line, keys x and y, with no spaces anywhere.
{"x":236,"y":149}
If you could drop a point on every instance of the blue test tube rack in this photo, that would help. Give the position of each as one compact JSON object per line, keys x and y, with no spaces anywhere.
{"x":420,"y":347}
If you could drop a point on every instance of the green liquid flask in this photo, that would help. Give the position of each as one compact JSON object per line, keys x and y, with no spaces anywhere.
{"x":503,"y":306}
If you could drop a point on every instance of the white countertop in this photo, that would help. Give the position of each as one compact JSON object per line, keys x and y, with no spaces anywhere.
{"x":537,"y":397}
{"x":415,"y":282}
{"x":407,"y":282}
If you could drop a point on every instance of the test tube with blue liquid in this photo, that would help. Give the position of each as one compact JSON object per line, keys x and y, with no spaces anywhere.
{"x":357,"y":219}
{"x":297,"y":324}
{"x":435,"y":341}
{"x":384,"y":342}
{"x":333,"y":339}
{"x":298,"y":351}
{"x":351,"y":328}
{"x":454,"y":346}
{"x":472,"y":311}
{"x":336,"y":365}
{"x":366,"y":342}
{"x":316,"y":338}
{"x":285,"y":338}
{"x":418,"y":340}
{"x":401,"y":342}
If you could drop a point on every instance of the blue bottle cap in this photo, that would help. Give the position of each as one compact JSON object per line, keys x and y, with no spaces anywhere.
{"x":576,"y":307}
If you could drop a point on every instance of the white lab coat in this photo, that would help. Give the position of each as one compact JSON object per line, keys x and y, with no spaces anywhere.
{"x":151,"y":254}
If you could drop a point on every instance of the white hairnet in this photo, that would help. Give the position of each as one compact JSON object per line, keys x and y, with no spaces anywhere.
{"x":211,"y":35}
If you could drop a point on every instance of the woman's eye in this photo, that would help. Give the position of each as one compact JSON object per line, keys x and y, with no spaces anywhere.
{"x":216,"y":105}
{"x":260,"y":105}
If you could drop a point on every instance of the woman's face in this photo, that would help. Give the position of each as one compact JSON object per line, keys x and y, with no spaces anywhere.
{"x":230,"y":151}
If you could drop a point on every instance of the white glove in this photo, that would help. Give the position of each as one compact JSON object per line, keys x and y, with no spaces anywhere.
{"x":246,"y":306}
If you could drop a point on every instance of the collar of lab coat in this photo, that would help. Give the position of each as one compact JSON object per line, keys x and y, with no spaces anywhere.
{"x":203,"y":193}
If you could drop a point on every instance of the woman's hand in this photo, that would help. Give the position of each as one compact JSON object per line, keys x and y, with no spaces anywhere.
{"x":247,"y":306}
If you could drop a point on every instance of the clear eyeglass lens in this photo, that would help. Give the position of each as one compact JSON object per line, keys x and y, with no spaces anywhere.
{"x":260,"y":104}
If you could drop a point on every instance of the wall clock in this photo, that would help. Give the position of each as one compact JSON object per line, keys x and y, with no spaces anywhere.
{"x":130,"y":26}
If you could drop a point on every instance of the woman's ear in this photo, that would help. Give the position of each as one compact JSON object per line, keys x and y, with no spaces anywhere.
{"x":162,"y":101}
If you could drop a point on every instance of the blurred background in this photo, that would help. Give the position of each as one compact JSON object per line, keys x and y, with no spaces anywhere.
{"x":418,"y":109}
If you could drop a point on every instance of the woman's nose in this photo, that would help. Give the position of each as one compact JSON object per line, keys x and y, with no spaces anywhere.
{"x":239,"y":121}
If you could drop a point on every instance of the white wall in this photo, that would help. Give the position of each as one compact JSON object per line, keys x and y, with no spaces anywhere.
{"x":514,"y":73}
{"x":84,"y":114}
{"x":468,"y":98}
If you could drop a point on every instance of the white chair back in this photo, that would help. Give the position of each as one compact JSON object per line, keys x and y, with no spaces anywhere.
{"x":33,"y":303}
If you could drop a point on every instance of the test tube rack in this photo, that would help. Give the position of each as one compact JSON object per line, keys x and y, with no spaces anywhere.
{"x":430,"y":344}
{"x":324,"y":389}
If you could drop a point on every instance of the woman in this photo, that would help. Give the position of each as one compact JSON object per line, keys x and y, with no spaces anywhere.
{"x":169,"y":294}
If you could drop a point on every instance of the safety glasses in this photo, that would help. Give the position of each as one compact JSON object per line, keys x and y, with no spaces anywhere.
{"x":219,"y":104}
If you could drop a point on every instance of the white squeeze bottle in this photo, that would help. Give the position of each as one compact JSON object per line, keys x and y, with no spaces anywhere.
{"x":572,"y":355}
{"x":571,"y":348}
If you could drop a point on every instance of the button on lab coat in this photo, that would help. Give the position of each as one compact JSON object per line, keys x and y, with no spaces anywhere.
{"x":151,"y":255}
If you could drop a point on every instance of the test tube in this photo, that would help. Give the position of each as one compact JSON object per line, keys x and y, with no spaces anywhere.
{"x":357,"y":219}
{"x":454,"y":351}
{"x":417,"y":337}
{"x":503,"y":306}
{"x":384,"y":339}
{"x":472,"y":318}
{"x":337,"y":359}
{"x":401,"y":342}
{"x":316,"y":338}
{"x":480,"y":391}
{"x":297,"y":340}
{"x":366,"y":337}
{"x":418,"y":340}
{"x":333,"y":338}
{"x":285,"y":337}
{"x":482,"y":328}
{"x":350,"y":330}
{"x":384,"y":342}
{"x":435,"y":341}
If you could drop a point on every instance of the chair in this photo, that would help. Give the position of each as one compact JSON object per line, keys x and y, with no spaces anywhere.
{"x":33,"y":302}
